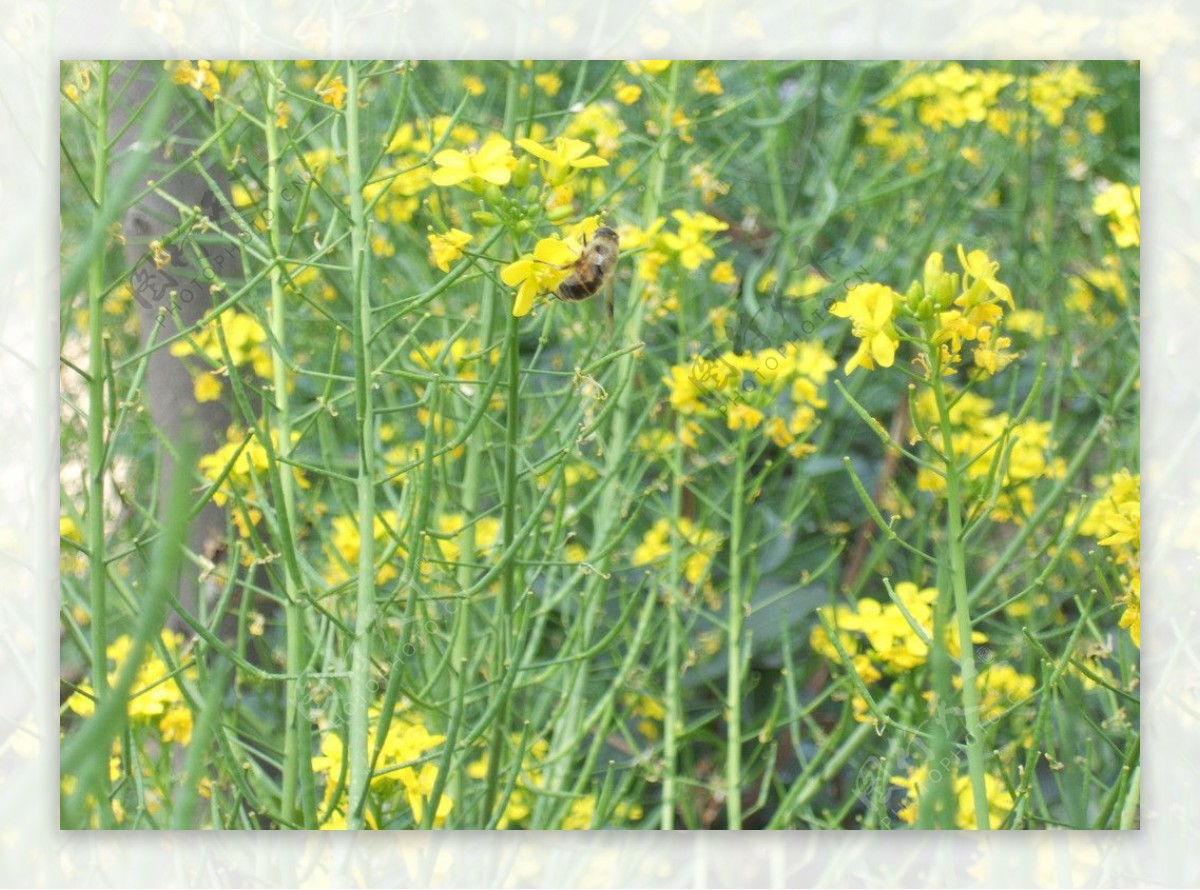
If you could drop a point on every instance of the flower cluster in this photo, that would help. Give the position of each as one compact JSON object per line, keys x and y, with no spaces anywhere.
{"x":951,"y":309}
{"x":1000,"y":801}
{"x":699,"y":544}
{"x":879,"y":639}
{"x":445,"y":545}
{"x":245,"y":339}
{"x":530,"y":780}
{"x":601,"y":125}
{"x":986,"y":438}
{"x":779,"y":390}
{"x":689,"y":245}
{"x":71,"y":561}
{"x":199,"y":77}
{"x":492,"y":166}
{"x":1115,"y":521}
{"x":156,"y":698}
{"x":241,"y":464}
{"x":1122,"y":206}
{"x":345,"y":544}
{"x":953,"y":96}
{"x":458,"y":359}
{"x":397,"y":783}
{"x":1053,"y":91}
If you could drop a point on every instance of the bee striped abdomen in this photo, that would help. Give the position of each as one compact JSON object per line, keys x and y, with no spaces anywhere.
{"x":594,"y":266}
{"x":574,"y":288}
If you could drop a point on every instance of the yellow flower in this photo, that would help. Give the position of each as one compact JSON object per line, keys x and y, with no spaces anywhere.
{"x":703,"y":179}
{"x":492,"y":163}
{"x":870,"y":308}
{"x":1122,"y":205}
{"x":707,"y":82}
{"x":347,"y":543}
{"x":206,"y":387}
{"x":580,"y":816}
{"x":549,"y":82}
{"x":244,"y":337}
{"x":691,"y":241}
{"x":628,"y":93}
{"x":979,"y":275}
{"x":334,"y":93}
{"x":539,"y":272}
{"x":999,"y":802}
{"x":723,"y":273}
{"x":240,"y":460}
{"x":1001,"y":687}
{"x":1052,"y":92}
{"x":743,"y":417}
{"x":656,"y":544}
{"x":990,"y":355}
{"x":83,"y":700}
{"x":567,"y":156}
{"x":71,"y":561}
{"x":1131,"y":618}
{"x":176,"y":726}
{"x":200,"y":78}
{"x":156,"y":697}
{"x":599,"y":124}
{"x":418,"y":788}
{"x":648,"y":66}
{"x":445,"y":249}
{"x":473,"y":85}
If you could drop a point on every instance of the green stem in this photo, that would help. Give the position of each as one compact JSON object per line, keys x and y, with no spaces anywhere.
{"x":737,"y":617}
{"x":360,"y":662}
{"x":505,"y":644}
{"x":673,"y":706}
{"x":283,"y":428}
{"x":962,"y":610}
{"x":502,"y":623}
{"x":465,"y":572}
{"x":96,"y":449}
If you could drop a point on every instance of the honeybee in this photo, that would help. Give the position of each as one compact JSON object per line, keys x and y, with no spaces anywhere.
{"x":594,"y":268}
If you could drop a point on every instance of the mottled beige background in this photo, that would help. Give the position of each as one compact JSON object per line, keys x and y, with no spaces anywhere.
{"x":35,"y":35}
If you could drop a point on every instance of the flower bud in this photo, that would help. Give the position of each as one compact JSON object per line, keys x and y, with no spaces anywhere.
{"x":485,"y":218}
{"x":934,"y":270}
{"x":945,"y":292}
{"x":520,"y":174}
{"x":558,"y":214}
